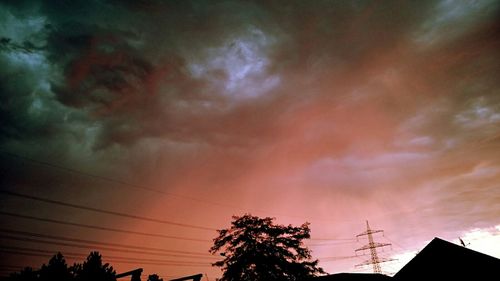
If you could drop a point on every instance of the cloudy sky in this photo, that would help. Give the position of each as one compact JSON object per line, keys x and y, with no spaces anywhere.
{"x":331,"y":112}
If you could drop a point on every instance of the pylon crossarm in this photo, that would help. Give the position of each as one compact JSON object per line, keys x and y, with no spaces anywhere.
{"x":366,"y":247}
{"x":378,"y":245}
{"x":370,"y":262}
{"x":371,"y":246}
{"x":368,"y":232}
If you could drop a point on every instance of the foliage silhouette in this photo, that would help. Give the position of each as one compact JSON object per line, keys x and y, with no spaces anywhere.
{"x":26,"y":274}
{"x":93,"y":269}
{"x":257,"y":249}
{"x":154,"y":277}
{"x":56,"y":269}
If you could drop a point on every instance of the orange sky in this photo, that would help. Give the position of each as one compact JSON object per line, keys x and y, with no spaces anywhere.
{"x":331,"y":113}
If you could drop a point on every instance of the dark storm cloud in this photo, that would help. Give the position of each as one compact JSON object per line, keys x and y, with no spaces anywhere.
{"x":133,"y":78}
{"x":138,"y":69}
{"x":127,"y":64}
{"x":343,"y":34}
{"x":23,"y":81}
{"x":460,"y":75}
{"x":102,"y":69}
{"x":144,"y":73}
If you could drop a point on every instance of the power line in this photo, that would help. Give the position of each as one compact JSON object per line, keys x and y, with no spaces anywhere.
{"x":10,"y":248}
{"x":76,"y":206}
{"x":57,"y":202}
{"x":54,"y":237}
{"x":395,"y":243}
{"x":120,"y":182}
{"x":333,"y":239}
{"x":84,"y":246}
{"x":139,"y":187}
{"x":165,"y":264}
{"x":324,"y":241}
{"x":327,"y":259}
{"x":61,"y":203}
{"x":147,"y":234}
{"x":100,"y":227}
{"x":110,"y":260}
{"x":14,"y":268}
{"x":120,"y":259}
{"x":78,"y":172}
{"x":36,"y":254}
{"x":330,"y":244}
{"x":11,"y":268}
{"x":13,"y":248}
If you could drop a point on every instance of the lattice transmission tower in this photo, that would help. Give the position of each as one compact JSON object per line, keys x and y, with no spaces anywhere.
{"x":372,"y":246}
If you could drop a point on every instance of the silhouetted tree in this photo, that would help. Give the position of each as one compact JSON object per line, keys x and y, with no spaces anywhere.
{"x":154,"y":277}
{"x":26,"y":274}
{"x":93,"y":269}
{"x":257,"y":249}
{"x":56,"y":269}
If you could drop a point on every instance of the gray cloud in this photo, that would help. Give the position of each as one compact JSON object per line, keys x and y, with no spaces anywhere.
{"x":154,"y":67}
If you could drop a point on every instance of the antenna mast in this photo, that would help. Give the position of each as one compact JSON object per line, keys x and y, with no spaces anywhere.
{"x":372,"y":246}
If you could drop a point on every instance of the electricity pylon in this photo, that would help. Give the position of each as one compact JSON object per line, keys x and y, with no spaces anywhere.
{"x":372,"y":246}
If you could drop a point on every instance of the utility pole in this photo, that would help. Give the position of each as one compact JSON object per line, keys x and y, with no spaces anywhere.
{"x":372,"y":246}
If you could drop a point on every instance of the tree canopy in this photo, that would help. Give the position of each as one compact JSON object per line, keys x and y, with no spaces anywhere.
{"x":92,"y":269}
{"x":257,"y":249}
{"x":56,"y":269}
{"x":154,"y":277}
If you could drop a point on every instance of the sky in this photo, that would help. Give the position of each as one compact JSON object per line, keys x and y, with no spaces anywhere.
{"x":189,"y":112}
